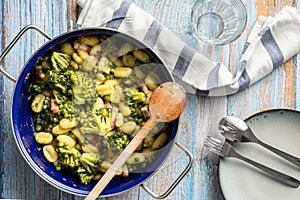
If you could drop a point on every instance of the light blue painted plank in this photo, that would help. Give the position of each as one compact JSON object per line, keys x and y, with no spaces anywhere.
{"x":1,"y":101}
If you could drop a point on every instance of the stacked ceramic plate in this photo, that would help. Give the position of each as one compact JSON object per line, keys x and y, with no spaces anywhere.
{"x":279,"y":128}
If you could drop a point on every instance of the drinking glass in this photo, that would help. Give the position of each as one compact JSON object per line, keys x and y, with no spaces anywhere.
{"x":218,"y":22}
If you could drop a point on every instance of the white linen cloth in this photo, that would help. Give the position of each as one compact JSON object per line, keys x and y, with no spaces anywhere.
{"x":272,"y":41}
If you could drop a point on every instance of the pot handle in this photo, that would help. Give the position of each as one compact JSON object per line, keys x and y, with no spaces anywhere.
{"x":180,"y":177}
{"x":12,"y":44}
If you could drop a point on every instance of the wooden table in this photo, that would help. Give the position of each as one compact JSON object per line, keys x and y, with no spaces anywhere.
{"x":200,"y":118}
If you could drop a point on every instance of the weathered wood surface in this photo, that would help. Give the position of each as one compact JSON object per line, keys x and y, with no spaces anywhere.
{"x":277,"y":90}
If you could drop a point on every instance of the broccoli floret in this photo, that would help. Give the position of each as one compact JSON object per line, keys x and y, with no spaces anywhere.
{"x":60,"y":80}
{"x":83,"y":88}
{"x":60,"y":61}
{"x":59,"y":98}
{"x":103,"y":118}
{"x":135,"y":100}
{"x":117,"y":141}
{"x":85,"y":178}
{"x":87,"y":121}
{"x":138,"y":97}
{"x":96,"y":120}
{"x":90,"y":166}
{"x":90,"y":159}
{"x":89,"y":127}
{"x":86,"y":165}
{"x":57,"y":74}
{"x":134,"y":95}
{"x":70,"y":156}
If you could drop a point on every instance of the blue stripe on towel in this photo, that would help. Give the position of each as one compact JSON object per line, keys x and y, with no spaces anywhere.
{"x":202,"y":92}
{"x":245,"y":47}
{"x":153,"y":33}
{"x":119,"y":15}
{"x":183,"y":61}
{"x":240,"y":67}
{"x":213,"y":77}
{"x":244,"y":79}
{"x":271,"y":46}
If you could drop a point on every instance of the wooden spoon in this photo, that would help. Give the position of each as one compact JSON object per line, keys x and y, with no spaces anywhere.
{"x":166,"y":104}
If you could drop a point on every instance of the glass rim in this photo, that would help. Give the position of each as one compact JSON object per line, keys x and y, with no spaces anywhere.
{"x":215,"y":41}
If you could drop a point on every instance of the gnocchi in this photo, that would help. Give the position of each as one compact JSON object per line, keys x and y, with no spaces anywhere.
{"x":129,"y":60}
{"x":148,"y":141}
{"x":125,"y":49}
{"x":43,"y":138}
{"x":66,"y":140}
{"x":38,"y":103}
{"x":89,"y":40}
{"x":128,"y":127}
{"x":95,"y":50}
{"x":136,"y":158}
{"x":105,"y":89}
{"x":89,"y":63}
{"x":160,"y":141}
{"x":113,"y":82}
{"x":67,"y":49}
{"x":50,"y":153}
{"x":118,"y":63}
{"x":57,"y":130}
{"x":82,"y":54}
{"x":122,"y":72}
{"x":74,"y":65}
{"x":103,"y":65}
{"x":119,"y":120}
{"x":151,"y":82}
{"x":77,"y":58}
{"x":117,"y":95}
{"x":125,"y":110}
{"x":68,"y":123}
{"x":140,"y":55}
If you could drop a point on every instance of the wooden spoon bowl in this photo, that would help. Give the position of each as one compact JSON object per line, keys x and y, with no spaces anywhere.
{"x":167,"y":102}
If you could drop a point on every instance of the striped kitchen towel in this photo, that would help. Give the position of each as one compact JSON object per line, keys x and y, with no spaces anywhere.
{"x":271,"y":42}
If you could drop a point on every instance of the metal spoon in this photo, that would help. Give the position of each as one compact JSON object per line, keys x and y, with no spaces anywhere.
{"x":166,"y":104}
{"x":236,"y":130}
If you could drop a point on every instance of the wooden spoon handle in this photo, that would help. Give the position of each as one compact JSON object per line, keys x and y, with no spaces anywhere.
{"x":122,"y":158}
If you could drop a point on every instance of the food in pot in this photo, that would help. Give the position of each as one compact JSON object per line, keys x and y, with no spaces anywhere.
{"x":90,"y":96}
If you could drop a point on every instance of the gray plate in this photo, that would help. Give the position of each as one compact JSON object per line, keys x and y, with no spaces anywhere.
{"x":238,"y":180}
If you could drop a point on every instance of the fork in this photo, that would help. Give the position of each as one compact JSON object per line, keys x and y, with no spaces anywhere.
{"x":224,"y":149}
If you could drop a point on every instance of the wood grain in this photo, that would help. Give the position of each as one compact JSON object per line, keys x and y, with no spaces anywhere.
{"x":201,"y":115}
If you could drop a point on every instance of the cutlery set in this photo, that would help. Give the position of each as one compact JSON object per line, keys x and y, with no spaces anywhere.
{"x":236,"y":130}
